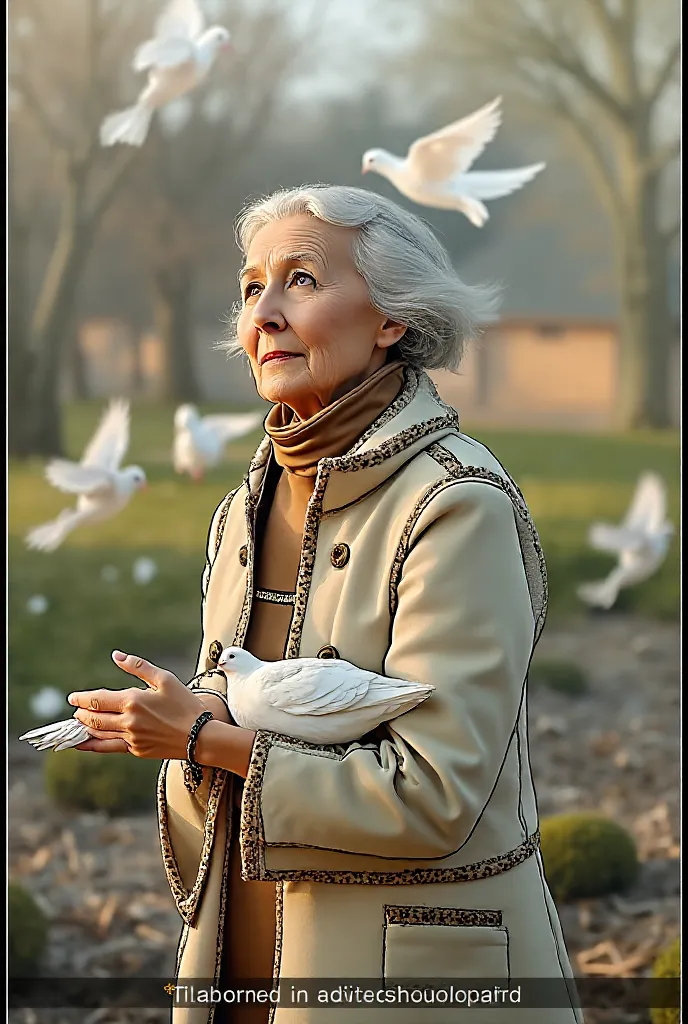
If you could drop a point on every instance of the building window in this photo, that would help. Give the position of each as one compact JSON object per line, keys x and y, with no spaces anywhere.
{"x":550,"y":331}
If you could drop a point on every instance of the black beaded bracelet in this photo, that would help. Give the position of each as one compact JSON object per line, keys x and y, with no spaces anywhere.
{"x":193,"y":772}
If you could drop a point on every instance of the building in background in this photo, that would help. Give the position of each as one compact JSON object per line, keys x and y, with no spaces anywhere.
{"x":540,"y":372}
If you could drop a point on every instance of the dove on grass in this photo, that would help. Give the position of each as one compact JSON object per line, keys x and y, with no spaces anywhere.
{"x":177,"y":59}
{"x":199,"y":441}
{"x":103,"y":488}
{"x":313,"y":699}
{"x":641,"y":543}
{"x":435,"y":171}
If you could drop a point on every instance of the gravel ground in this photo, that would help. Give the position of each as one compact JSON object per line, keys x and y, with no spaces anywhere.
{"x":616,"y":750}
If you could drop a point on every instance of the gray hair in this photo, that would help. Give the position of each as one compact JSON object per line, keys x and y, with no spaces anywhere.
{"x":408,"y":272}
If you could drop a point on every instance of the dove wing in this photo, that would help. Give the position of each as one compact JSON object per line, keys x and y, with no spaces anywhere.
{"x":109,"y":444}
{"x":310,"y":689}
{"x":647,"y":512}
{"x":76,"y":478}
{"x":452,"y":149}
{"x":613,"y":539}
{"x":181,"y":19}
{"x":169,"y":52}
{"x":230,"y":427}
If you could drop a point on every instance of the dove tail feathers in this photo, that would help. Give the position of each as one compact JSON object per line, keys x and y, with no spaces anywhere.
{"x":50,"y":535}
{"x":475,"y":210}
{"x":129,"y":126}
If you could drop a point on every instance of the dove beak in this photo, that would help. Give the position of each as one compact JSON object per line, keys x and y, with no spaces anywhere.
{"x":227,"y":47}
{"x":364,"y":169}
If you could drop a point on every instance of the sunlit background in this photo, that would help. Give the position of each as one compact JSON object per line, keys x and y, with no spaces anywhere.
{"x":122,"y":267}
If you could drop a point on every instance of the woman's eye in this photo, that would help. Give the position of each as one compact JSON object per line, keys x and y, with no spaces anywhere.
{"x":251,"y":289}
{"x":301,"y":277}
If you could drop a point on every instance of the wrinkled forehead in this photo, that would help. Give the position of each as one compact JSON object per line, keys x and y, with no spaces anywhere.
{"x":300,"y":239}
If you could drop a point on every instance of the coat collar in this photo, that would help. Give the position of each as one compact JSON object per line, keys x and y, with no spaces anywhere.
{"x":415,"y":419}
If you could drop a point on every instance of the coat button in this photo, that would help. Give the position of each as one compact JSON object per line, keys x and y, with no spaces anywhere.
{"x":340,"y":555}
{"x":328,"y":651}
{"x":243,"y":555}
{"x":214,"y":651}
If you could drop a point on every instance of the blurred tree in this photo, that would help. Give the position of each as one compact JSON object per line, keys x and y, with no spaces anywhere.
{"x":607,"y":71}
{"x":65,"y":68}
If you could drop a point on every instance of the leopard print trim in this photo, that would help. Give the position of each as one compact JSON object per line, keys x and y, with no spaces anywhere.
{"x":223,"y":518}
{"x":347,"y":464}
{"x":251,"y":831}
{"x":405,"y":540}
{"x":450,"y":916}
{"x":531,"y":548}
{"x":409,"y":389}
{"x":250,"y":512}
{"x":187,"y":900}
{"x":253,"y":845}
{"x":275,"y":596}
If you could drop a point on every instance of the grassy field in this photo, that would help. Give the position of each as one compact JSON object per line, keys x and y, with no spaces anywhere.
{"x":566,"y":479}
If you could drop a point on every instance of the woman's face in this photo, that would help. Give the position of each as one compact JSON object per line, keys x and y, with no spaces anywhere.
{"x":307,"y":324}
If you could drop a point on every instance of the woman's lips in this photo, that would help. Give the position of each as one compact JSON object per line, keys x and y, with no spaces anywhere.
{"x":271,"y":357}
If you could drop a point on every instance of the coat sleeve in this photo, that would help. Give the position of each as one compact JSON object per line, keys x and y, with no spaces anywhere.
{"x":463,"y":623}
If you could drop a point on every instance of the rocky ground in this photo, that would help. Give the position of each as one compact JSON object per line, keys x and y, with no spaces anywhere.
{"x":616,"y":750}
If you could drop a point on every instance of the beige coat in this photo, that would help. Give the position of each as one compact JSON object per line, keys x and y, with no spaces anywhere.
{"x":414,"y":853}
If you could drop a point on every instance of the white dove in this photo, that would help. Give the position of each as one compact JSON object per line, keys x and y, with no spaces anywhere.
{"x":199,"y":441}
{"x":312,"y":699}
{"x":58,"y":736}
{"x":434,"y":171}
{"x":641,"y":542}
{"x":103,"y":488}
{"x":177,"y":59}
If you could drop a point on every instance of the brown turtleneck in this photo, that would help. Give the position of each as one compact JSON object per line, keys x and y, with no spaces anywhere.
{"x":298,"y":445}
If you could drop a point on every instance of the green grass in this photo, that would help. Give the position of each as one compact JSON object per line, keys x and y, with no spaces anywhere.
{"x":566,"y":479}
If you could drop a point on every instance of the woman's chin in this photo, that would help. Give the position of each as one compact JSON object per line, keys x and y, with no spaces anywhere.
{"x":280,"y":381}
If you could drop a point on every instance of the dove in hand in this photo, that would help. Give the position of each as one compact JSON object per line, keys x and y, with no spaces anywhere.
{"x":103,"y":488}
{"x":312,"y":699}
{"x":177,"y":59}
{"x":641,"y":543}
{"x":57,"y":736}
{"x":199,"y":441}
{"x":435,"y":171}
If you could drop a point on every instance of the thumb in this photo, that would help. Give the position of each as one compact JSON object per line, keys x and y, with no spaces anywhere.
{"x":143,"y":670}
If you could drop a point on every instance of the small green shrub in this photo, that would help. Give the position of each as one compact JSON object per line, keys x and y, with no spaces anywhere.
{"x":27,"y":932}
{"x":115,"y":783}
{"x":560,"y":675}
{"x":587,"y":855}
{"x":667,"y":965}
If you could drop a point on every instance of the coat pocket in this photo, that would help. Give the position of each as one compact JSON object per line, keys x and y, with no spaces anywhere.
{"x":444,"y":942}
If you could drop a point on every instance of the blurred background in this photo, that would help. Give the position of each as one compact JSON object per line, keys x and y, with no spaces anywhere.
{"x":122,"y":267}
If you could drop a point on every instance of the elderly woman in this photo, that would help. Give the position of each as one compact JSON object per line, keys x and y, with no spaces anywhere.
{"x":370,"y":529}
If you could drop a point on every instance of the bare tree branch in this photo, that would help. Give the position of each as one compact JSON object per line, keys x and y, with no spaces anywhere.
{"x":22,"y":85}
{"x":662,"y":156}
{"x":112,"y":183}
{"x":592,"y":152}
{"x":664,"y":74}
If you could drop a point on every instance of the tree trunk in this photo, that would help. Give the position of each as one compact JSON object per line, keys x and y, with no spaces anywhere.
{"x":645,"y":321}
{"x":173,"y":287}
{"x":77,"y":367}
{"x":19,"y":355}
{"x":52,"y":323}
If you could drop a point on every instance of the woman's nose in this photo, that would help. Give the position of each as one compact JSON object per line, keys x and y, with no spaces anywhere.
{"x":267,"y":316}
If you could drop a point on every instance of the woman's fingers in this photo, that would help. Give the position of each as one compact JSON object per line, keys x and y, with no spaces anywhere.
{"x":113,"y":701}
{"x":144,"y":670}
{"x":104,"y":746}
{"x":101,"y":722}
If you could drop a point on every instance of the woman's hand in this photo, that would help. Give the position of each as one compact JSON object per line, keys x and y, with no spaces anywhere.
{"x":152,"y":722}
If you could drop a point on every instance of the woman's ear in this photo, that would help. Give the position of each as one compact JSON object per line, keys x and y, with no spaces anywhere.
{"x":390,"y":333}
